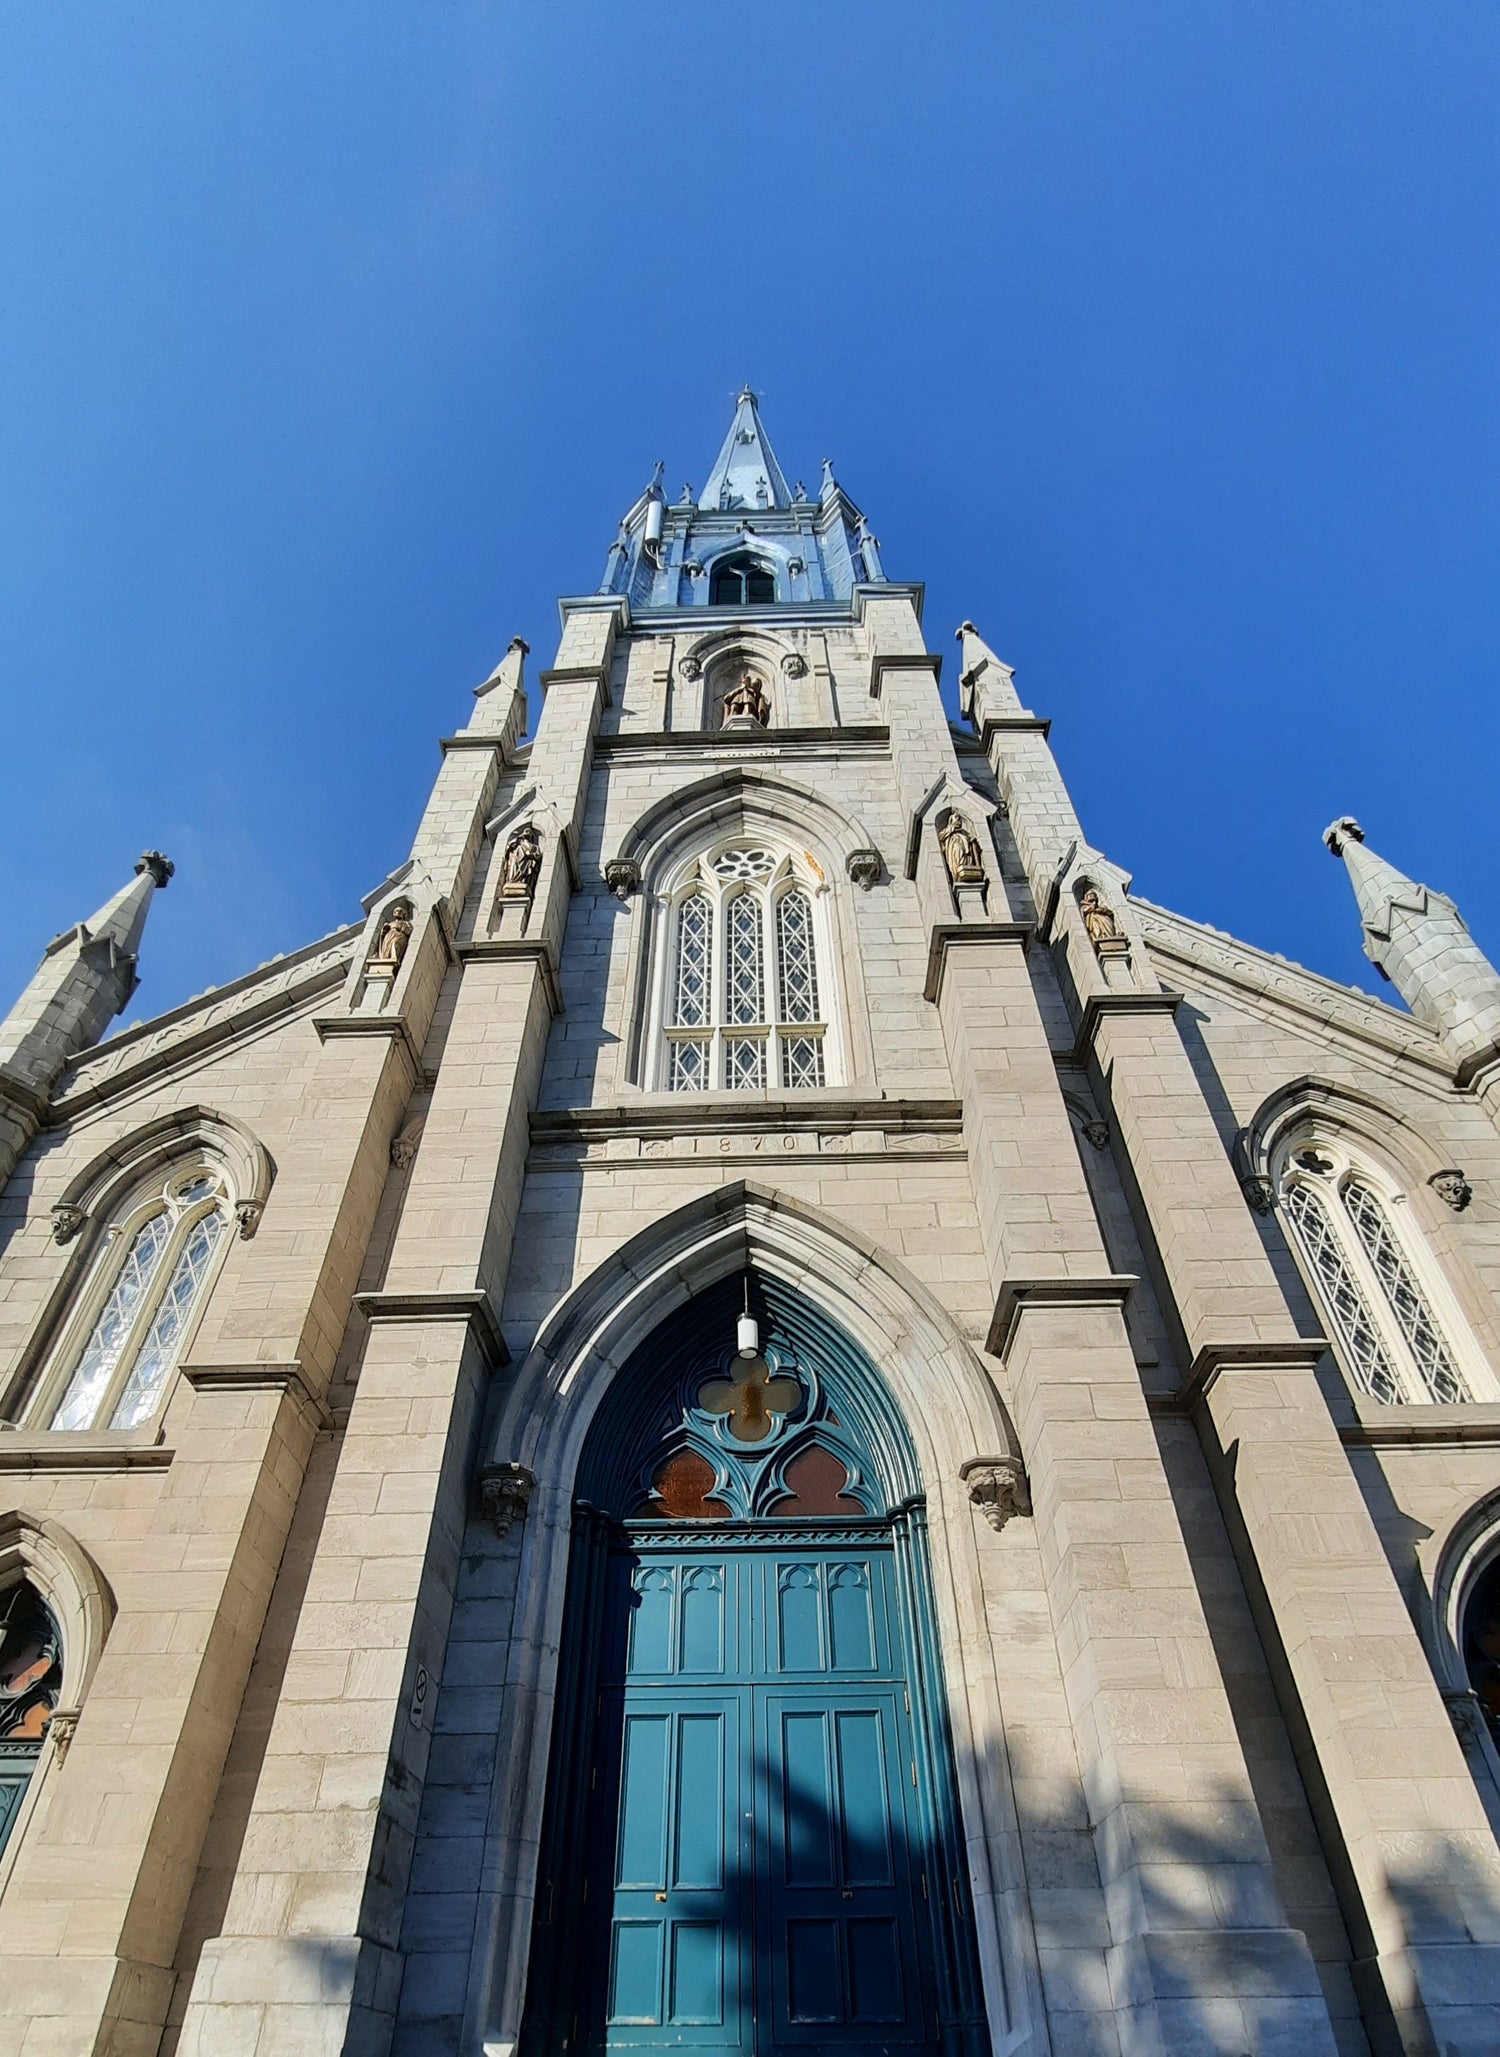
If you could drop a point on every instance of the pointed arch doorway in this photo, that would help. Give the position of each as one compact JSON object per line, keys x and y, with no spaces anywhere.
{"x":752,"y":1842}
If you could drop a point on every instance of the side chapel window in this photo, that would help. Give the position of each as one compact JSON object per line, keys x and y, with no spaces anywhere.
{"x":30,"y":1681}
{"x":1370,"y":1281}
{"x":745,"y":1006}
{"x":136,"y":1309}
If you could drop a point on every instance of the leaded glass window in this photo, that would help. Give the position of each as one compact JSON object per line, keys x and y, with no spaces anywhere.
{"x":1403,"y":1295}
{"x":1352,"y":1314}
{"x":796,"y":967}
{"x":115,"y":1361}
{"x":1383,"y":1319}
{"x":694,"y":960}
{"x":744,"y":975}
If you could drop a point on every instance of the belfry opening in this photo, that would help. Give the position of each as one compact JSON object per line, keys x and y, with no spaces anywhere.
{"x":752,"y":1839}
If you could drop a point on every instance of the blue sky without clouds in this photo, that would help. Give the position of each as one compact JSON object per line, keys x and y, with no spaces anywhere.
{"x":334,"y":339}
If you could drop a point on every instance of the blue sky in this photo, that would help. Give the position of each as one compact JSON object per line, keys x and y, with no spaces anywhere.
{"x":334,"y":339}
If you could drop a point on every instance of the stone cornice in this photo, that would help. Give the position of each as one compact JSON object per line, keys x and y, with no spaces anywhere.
{"x":902,"y":660}
{"x":1215,"y":1360}
{"x":715,"y":1115}
{"x":959,"y":935}
{"x":578,"y":674}
{"x":1013,"y":725}
{"x":390,"y":1028}
{"x":213,"y":1018}
{"x":869,"y":736}
{"x":285,"y":1377}
{"x":1473,"y":1422}
{"x":1105,"y":1289}
{"x":65,"y":1450}
{"x":1100,"y":1005}
{"x":471,"y":1307}
{"x":1316,"y":1005}
{"x":522,"y":950}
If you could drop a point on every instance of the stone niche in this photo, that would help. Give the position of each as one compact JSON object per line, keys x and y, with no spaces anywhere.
{"x":743,"y":685}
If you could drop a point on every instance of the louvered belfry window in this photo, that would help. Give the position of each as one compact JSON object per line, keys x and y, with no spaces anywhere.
{"x":744,"y":1011}
{"x":1367,"y":1272}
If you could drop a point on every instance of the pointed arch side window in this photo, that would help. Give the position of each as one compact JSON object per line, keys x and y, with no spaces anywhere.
{"x":1403,"y":1295}
{"x":138,"y":1306}
{"x":1368,"y":1276}
{"x":746,"y":1006}
{"x":30,"y":1681}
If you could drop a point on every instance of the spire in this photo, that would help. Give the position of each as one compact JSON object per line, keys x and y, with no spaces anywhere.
{"x":1417,"y":939}
{"x":86,"y":976}
{"x":745,"y":473}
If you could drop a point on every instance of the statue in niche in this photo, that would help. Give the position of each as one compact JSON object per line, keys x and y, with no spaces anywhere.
{"x":521,"y":863}
{"x":391,"y":940}
{"x":961,"y":851}
{"x":1098,"y":919}
{"x":746,"y":701}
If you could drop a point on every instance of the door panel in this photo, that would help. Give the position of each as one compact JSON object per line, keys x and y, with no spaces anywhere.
{"x":678,"y":1929}
{"x":839,"y":1969}
{"x":754,"y":1821}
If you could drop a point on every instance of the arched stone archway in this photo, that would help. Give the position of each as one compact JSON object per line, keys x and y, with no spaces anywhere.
{"x":950,"y":1409}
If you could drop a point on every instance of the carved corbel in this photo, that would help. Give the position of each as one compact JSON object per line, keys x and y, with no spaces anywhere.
{"x":61,"y":1730}
{"x":1259,"y":1193}
{"x":248,"y":1213}
{"x":864,"y":868}
{"x":505,"y":1492}
{"x":622,"y":875}
{"x":794,"y":664}
{"x":1097,"y":1134}
{"x":997,"y":1486}
{"x":66,"y":1222}
{"x":1452,"y":1188}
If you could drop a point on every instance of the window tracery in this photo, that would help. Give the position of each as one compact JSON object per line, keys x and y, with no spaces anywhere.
{"x":746,"y":1008}
{"x":137,"y":1308}
{"x":1373,"y":1279}
{"x":742,"y":581}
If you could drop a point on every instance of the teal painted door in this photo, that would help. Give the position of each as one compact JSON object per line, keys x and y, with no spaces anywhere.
{"x":755,"y":1876}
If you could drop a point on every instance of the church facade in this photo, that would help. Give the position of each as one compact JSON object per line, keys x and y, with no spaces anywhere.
{"x":760,"y":1414}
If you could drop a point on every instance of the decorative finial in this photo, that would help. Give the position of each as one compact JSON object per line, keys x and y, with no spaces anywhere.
{"x":161,"y":868}
{"x":520,"y":643}
{"x":965,"y":628}
{"x":657,"y":476}
{"x":1345,"y":830}
{"x":746,"y":393}
{"x":687,"y":495}
{"x":828,"y":479}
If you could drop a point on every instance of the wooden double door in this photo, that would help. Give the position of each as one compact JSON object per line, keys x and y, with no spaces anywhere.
{"x":758,"y":1873}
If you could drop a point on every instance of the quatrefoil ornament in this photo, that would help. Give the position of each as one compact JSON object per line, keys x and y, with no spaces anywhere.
{"x":751,"y":1400}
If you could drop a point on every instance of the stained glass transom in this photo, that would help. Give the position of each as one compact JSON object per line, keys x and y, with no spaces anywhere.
{"x":747,"y":980}
{"x":1402,"y":1292}
{"x":796,"y":970}
{"x":744,"y":864}
{"x":694,"y":960}
{"x":1358,"y":1330}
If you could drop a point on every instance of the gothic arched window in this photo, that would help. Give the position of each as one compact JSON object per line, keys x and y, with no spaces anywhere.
{"x":742,"y":581}
{"x":1389,"y":1314}
{"x":138,"y":1305}
{"x":745,"y":1007}
{"x":30,"y":1681}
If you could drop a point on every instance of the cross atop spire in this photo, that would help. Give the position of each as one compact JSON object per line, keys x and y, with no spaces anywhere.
{"x":746,"y":473}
